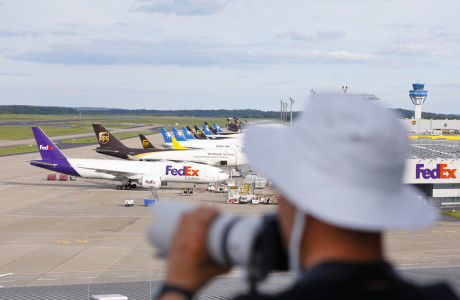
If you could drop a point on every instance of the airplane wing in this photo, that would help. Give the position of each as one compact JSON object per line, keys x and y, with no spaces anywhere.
{"x":114,"y":172}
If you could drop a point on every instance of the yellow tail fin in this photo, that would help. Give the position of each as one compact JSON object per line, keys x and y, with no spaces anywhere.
{"x":176,"y":144}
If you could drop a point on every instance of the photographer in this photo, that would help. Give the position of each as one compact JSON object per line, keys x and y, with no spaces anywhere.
{"x":339,"y":168}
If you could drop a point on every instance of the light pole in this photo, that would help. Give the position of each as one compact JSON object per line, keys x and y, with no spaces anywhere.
{"x":281,"y":112}
{"x":292,"y":101}
{"x":285,"y":113}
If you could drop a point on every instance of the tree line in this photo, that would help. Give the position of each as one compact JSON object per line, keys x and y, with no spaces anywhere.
{"x":51,"y":110}
{"x":241,"y":113}
{"x":37,"y":110}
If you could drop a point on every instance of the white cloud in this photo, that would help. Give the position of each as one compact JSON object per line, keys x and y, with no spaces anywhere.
{"x":320,"y":35}
{"x":414,"y":49}
{"x":224,"y":54}
{"x":21,"y":34}
{"x":181,"y":7}
{"x":181,"y":53}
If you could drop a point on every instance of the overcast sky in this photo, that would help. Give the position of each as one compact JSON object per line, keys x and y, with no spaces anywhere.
{"x":213,"y":54}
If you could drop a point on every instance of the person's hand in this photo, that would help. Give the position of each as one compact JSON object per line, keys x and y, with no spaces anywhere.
{"x":189,"y":264}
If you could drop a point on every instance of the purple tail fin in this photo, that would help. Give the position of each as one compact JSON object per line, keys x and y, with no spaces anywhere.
{"x":48,"y":150}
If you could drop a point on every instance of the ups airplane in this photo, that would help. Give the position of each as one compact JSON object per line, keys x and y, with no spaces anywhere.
{"x":130,"y":173}
{"x":193,"y":133}
{"x":237,"y":126}
{"x":110,"y":145}
{"x":216,"y":130}
{"x":146,"y":144}
{"x":212,"y":133}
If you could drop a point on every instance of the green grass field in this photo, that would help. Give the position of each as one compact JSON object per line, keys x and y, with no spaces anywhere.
{"x":452,"y":213}
{"x":77,"y":125}
{"x":17,"y":150}
{"x":90,"y":140}
{"x":70,"y":124}
{"x":10,"y":132}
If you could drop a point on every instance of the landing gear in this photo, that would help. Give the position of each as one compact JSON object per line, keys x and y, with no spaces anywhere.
{"x":126,"y":186}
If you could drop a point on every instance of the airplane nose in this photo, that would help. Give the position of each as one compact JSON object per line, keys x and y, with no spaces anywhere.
{"x":223,"y":176}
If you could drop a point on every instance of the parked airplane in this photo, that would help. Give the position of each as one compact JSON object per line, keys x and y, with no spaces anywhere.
{"x":239,"y":122}
{"x":145,"y":142}
{"x":210,"y":128}
{"x":200,"y":133}
{"x":237,"y":126}
{"x":110,"y":145}
{"x":213,"y":134}
{"x":146,"y":174}
{"x":231,"y":126}
{"x":224,"y":143}
{"x":203,"y":137}
{"x":188,"y":135}
{"x":208,"y":132}
{"x":219,"y":130}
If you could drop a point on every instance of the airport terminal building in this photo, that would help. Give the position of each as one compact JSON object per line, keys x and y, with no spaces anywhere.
{"x":433,"y":164}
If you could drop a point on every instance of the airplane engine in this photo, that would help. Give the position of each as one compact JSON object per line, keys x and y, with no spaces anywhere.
{"x":151,"y":181}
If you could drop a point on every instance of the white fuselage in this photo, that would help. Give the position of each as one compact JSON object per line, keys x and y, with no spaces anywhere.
{"x":167,"y":171}
{"x":236,"y":143}
{"x":210,"y":156}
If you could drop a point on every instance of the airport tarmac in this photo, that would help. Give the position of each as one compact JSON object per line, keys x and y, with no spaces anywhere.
{"x":80,"y":232}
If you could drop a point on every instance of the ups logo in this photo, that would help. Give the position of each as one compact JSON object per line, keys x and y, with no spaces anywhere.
{"x":414,"y":122}
{"x":145,"y":143}
{"x":103,"y":137}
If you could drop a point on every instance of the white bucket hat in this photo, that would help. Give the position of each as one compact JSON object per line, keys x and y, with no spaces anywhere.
{"x":342,"y":161}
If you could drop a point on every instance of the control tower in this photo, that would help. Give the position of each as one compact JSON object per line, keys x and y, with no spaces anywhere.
{"x":418,"y":96}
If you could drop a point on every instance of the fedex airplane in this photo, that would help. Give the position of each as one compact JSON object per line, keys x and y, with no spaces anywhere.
{"x":110,"y":145}
{"x":130,"y":173}
{"x":236,"y":143}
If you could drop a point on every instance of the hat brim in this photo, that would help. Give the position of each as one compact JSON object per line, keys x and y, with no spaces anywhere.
{"x":275,"y":153}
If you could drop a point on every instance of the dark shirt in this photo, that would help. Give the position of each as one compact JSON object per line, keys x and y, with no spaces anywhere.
{"x":344,"y":280}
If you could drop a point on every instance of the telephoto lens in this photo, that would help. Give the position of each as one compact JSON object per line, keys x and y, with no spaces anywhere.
{"x":253,"y":243}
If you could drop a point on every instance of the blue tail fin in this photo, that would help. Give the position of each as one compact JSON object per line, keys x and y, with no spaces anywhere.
{"x":206,"y":130}
{"x":48,"y":150}
{"x":217,"y":127}
{"x":166,"y":136}
{"x":187,"y":134}
{"x":179,"y":137}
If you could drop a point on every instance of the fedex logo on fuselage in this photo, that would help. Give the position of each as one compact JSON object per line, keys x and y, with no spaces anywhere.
{"x":185,"y":171}
{"x":440,"y":172}
{"x":149,"y":181}
{"x":47,"y":147}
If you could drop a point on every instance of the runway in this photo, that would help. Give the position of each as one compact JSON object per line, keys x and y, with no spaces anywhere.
{"x":79,"y":233}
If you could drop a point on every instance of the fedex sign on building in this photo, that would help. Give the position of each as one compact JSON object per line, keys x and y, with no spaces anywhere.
{"x":441,"y":171}
{"x":423,"y":171}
